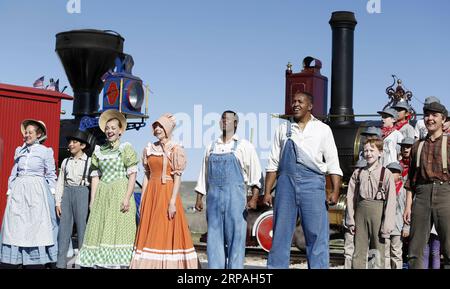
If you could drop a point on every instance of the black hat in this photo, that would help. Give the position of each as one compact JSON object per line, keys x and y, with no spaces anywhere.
{"x":80,"y":136}
{"x":435,"y":107}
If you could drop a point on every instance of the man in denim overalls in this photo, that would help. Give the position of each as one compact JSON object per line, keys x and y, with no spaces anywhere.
{"x":230,"y":165}
{"x":302,"y":153}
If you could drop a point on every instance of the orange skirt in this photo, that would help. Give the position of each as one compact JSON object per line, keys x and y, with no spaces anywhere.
{"x":162,"y":243}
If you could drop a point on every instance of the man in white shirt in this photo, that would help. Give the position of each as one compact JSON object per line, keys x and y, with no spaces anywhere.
{"x":230,"y":165}
{"x":303,"y":151}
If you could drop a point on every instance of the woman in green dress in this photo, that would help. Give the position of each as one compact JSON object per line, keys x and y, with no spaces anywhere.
{"x":111,"y":228}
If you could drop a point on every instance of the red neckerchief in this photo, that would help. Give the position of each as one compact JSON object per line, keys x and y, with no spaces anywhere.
{"x":399,"y":124}
{"x":405,"y":165}
{"x":385,"y":131}
{"x":398,"y":186}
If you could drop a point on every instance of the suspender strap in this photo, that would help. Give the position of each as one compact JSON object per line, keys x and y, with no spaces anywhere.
{"x":288,"y":130}
{"x":419,"y":152}
{"x":358,"y":175}
{"x":235,"y":145}
{"x":357,"y":186}
{"x":65,"y":171}
{"x":444,"y":154}
{"x":83,"y":180}
{"x":380,"y":183}
{"x":236,"y":142}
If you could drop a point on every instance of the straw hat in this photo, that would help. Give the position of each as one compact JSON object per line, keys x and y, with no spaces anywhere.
{"x":110,"y":114}
{"x":38,"y":123}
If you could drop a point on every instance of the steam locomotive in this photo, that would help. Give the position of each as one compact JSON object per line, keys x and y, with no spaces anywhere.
{"x":94,"y":59}
{"x":88,"y":54}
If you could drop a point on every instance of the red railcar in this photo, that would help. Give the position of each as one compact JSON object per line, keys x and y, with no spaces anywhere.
{"x":16,"y":104}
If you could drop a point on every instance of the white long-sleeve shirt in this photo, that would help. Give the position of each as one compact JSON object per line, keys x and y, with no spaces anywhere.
{"x":420,"y":130}
{"x":316,"y":140}
{"x":74,"y":170}
{"x":246,"y":155}
{"x":391,"y":149}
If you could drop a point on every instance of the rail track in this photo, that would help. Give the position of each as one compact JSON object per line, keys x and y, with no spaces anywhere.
{"x":297,"y":256}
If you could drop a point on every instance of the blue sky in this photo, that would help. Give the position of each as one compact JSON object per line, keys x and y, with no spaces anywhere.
{"x":233,"y":54}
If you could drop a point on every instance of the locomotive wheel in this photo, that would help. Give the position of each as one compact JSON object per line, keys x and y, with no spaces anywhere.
{"x":262,"y":229}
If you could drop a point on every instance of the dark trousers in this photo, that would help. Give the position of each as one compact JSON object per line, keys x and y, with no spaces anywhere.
{"x":431,"y":205}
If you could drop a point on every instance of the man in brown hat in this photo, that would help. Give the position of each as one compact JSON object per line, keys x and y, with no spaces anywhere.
{"x":429,"y":181}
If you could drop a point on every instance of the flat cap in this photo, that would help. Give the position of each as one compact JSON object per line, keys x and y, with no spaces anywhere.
{"x":389,"y":111}
{"x":371,"y":130}
{"x":395,"y":166}
{"x":431,"y":99}
{"x":402,"y":105}
{"x":407,"y":141}
{"x":435,"y":107}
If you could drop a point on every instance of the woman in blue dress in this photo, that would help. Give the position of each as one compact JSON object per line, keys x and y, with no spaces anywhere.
{"x":29,"y":229}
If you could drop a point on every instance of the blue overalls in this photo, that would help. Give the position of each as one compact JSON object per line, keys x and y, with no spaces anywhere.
{"x":225,"y":211}
{"x":300,"y":190}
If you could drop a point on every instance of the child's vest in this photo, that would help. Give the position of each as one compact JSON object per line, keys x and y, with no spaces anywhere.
{"x":83,"y":179}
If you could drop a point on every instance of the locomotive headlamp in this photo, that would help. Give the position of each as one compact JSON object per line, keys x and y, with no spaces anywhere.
{"x":122,"y":90}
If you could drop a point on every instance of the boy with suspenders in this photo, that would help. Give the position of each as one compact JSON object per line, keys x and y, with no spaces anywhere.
{"x":72,"y":194}
{"x":429,"y":183}
{"x":371,"y":203}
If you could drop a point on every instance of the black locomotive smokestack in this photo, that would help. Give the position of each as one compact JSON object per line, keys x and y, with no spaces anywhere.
{"x":86,"y":56}
{"x":343,"y":26}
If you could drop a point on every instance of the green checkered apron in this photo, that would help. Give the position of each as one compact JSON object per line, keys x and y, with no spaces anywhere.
{"x":110,"y":234}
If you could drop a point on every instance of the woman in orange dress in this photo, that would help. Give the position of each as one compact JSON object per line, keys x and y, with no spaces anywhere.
{"x":163,"y":239}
